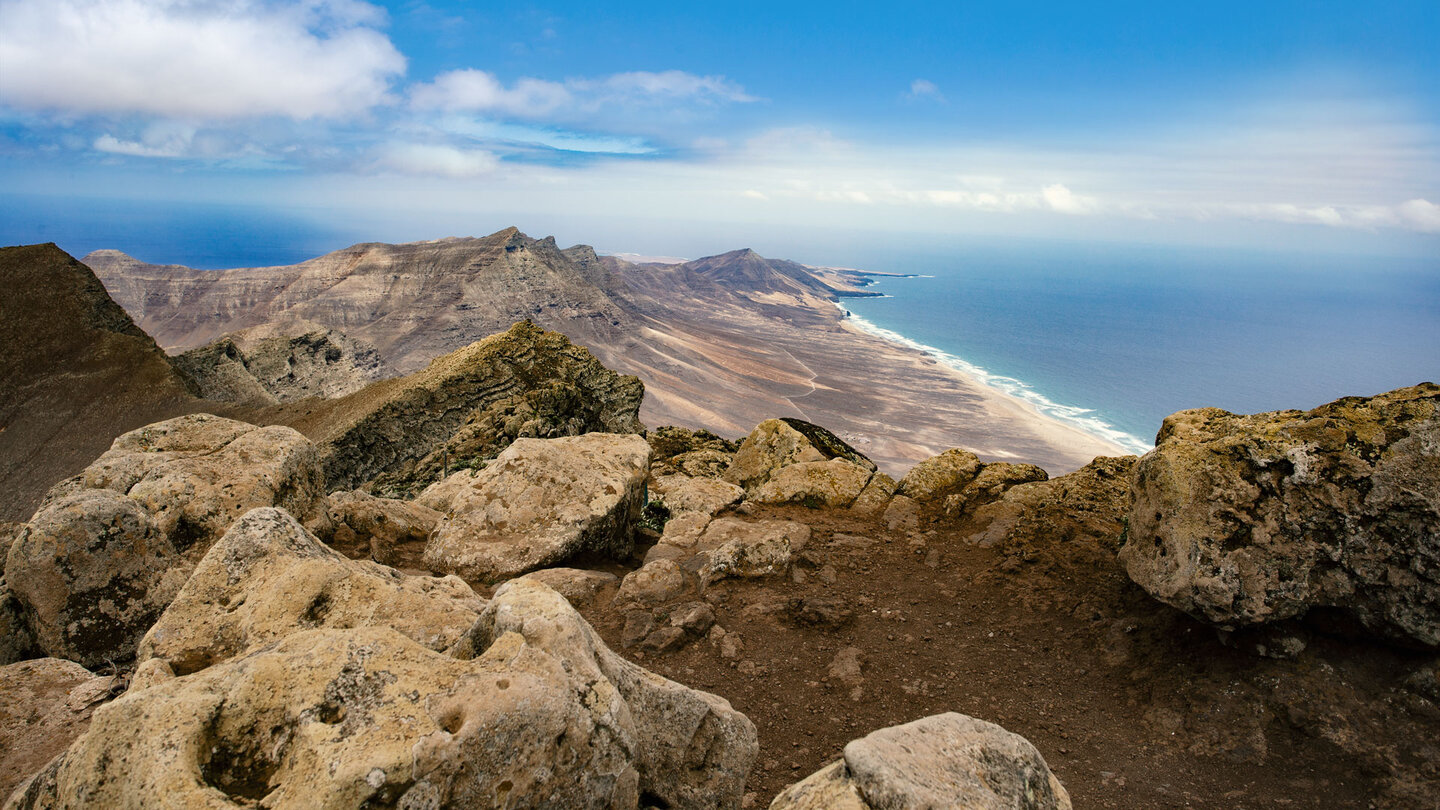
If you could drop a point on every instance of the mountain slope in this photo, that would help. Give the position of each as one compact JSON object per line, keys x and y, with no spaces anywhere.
{"x":75,"y":371}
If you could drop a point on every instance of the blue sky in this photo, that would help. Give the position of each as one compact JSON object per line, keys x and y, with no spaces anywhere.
{"x":1291,"y":124}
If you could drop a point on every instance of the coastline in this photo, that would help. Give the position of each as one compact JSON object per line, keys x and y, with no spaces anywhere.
{"x":1021,"y":393}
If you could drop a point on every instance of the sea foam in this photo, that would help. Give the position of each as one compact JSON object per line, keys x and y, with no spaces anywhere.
{"x":1083,"y":418}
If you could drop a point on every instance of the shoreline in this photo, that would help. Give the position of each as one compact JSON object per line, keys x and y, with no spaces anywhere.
{"x":1018,"y":391}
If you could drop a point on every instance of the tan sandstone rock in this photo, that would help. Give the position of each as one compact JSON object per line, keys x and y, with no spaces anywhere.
{"x":1090,"y":505}
{"x":44,"y":705}
{"x":835,"y":484}
{"x":268,"y":578}
{"x":541,"y":502}
{"x":682,"y":493}
{"x":362,"y":525}
{"x":736,"y":548}
{"x":991,"y":483}
{"x":777,"y":443}
{"x":876,"y":495}
{"x":943,"y":761}
{"x":939,"y":476}
{"x":579,"y":587}
{"x":1246,"y":520}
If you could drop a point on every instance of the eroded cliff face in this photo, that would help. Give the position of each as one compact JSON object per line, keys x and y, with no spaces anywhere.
{"x":273,"y":363}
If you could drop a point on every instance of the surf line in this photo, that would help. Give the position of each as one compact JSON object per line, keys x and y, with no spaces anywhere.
{"x":1082,"y":418}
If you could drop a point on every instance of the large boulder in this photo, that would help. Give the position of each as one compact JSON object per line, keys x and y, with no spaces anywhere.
{"x":44,"y":705}
{"x":362,"y":525}
{"x":542,"y":502}
{"x":696,"y":453}
{"x":990,"y":484}
{"x":835,"y":483}
{"x":542,"y":716}
{"x":682,"y":493}
{"x":943,"y":761}
{"x":268,"y":578}
{"x":109,"y":549}
{"x":1090,"y":504}
{"x":777,"y":443}
{"x":937,"y":477}
{"x":1247,"y":520}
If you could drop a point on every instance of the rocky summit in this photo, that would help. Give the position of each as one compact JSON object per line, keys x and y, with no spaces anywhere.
{"x":485,"y":584}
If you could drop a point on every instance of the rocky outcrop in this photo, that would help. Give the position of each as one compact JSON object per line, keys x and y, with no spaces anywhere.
{"x":268,"y":578}
{"x":75,"y":372}
{"x":543,"y":715}
{"x":956,"y":482}
{"x":681,"y":493}
{"x":696,"y":453}
{"x":578,"y":586}
{"x":109,"y":550}
{"x":834,"y":484}
{"x":364,"y":526}
{"x":397,"y":436}
{"x":777,"y":443}
{"x":947,"y":760}
{"x":1088,"y":505}
{"x":44,"y":705}
{"x":725,"y":547}
{"x":940,"y":476}
{"x":992,"y":482}
{"x":269,"y":364}
{"x":540,"y":503}
{"x":1247,"y":520}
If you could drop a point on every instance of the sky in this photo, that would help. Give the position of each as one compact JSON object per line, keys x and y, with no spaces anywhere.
{"x":682,"y":128}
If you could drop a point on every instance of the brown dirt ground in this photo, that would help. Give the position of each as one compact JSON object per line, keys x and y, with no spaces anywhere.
{"x":1133,"y":704}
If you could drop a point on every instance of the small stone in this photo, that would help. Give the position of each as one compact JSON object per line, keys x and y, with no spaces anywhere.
{"x":638,"y":624}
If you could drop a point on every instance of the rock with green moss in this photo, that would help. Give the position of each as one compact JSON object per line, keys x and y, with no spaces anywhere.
{"x":1247,"y":520}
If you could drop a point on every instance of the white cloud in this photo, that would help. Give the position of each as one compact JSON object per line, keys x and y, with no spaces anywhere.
{"x":752,"y":194}
{"x":924,"y":89}
{"x":436,"y":160}
{"x":1064,"y":201}
{"x":477,"y":91}
{"x":206,"y":59}
{"x":1422,"y":215}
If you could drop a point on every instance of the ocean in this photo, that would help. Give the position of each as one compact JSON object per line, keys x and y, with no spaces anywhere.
{"x":1114,"y":338}
{"x":1111,"y":338}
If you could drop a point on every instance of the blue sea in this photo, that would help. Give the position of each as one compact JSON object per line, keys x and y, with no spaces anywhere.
{"x":1111,"y":338}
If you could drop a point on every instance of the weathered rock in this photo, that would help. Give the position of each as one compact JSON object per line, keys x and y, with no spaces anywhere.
{"x":108,"y":550}
{"x":939,"y":476}
{"x":846,"y":667}
{"x":44,"y":705}
{"x":693,"y":617}
{"x":697,"y":453}
{"x":944,"y":761}
{"x":992,"y":482}
{"x":876,"y":495}
{"x":901,"y":514}
{"x":835,"y":484}
{"x":268,"y":578}
{"x":362,"y":525}
{"x":441,"y":496}
{"x":777,"y":443}
{"x":17,"y":642}
{"x":397,"y":436}
{"x":1245,"y":520}
{"x":653,"y":583}
{"x":544,"y":716}
{"x":735,"y":548}
{"x":681,"y":493}
{"x":828,"y":612}
{"x":540,"y":503}
{"x":579,"y":587}
{"x":1089,"y":505}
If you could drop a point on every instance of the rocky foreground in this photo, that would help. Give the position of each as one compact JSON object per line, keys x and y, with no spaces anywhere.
{"x":200,"y":618}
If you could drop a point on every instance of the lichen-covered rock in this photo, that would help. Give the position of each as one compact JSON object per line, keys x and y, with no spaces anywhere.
{"x":835,"y":484}
{"x":268,"y":578}
{"x":991,"y":482}
{"x":362,"y":525}
{"x":682,"y":493}
{"x":876,"y":495}
{"x":281,"y":363}
{"x":1090,"y":504}
{"x":44,"y":705}
{"x":736,"y":548}
{"x":578,"y":586}
{"x":543,"y":715}
{"x":110,"y":548}
{"x":17,"y":642}
{"x":696,"y":453}
{"x":655,"y":582}
{"x":937,"y":477}
{"x":540,"y":503}
{"x":1245,"y":520}
{"x":943,"y":761}
{"x":777,"y":443}
{"x":93,"y":571}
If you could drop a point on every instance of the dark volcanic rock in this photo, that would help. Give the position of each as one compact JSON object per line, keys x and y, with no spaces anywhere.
{"x":75,"y":372}
{"x":398,"y":436}
{"x":1246,"y":520}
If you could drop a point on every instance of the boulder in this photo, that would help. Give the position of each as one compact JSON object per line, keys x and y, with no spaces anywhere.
{"x":17,"y":642}
{"x":268,"y":578}
{"x":543,"y":715}
{"x":655,"y":582}
{"x":1246,"y":520}
{"x":835,"y":483}
{"x":1090,"y":505}
{"x":109,"y":549}
{"x":876,"y":495}
{"x":992,"y":481}
{"x":777,"y":443}
{"x":579,"y":587}
{"x":682,"y":493}
{"x":735,"y":548}
{"x":362,"y":525}
{"x":44,"y":705}
{"x":943,"y":761}
{"x":542,"y":502}
{"x":696,"y":453}
{"x":937,"y":477}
